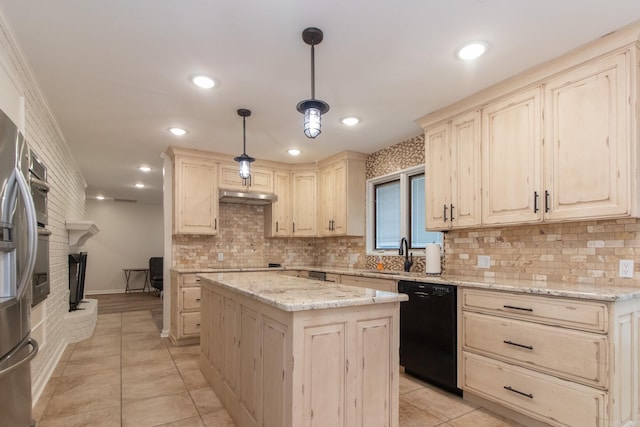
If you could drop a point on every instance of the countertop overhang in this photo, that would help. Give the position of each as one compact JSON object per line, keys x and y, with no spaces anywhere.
{"x":289,"y":293}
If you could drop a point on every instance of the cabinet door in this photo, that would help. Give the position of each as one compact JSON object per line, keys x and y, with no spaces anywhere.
{"x":340,"y":201}
{"x":196,"y":197}
{"x":511,"y":160}
{"x":327,"y":200}
{"x":587,"y":141}
{"x":280,"y":211}
{"x":465,"y":163}
{"x":260,"y":180}
{"x":438,"y":178}
{"x":305,"y":204}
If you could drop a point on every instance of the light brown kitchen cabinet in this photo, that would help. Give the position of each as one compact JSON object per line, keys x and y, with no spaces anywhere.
{"x":342,"y":196}
{"x":387,"y":285}
{"x":277,"y":215}
{"x":345,"y":370}
{"x":195,"y":195}
{"x":563,"y":361}
{"x":304,"y":204}
{"x":261,"y":179}
{"x":588,"y":140}
{"x":452,"y":171}
{"x":512,"y":159}
{"x":185,"y":309}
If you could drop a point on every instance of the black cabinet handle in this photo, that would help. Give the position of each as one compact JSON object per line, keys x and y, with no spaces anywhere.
{"x":445,"y":213}
{"x":452,"y":218}
{"x":197,"y":299}
{"x":215,"y":224}
{"x":528,"y":347}
{"x":276,"y":226}
{"x":513,"y":307}
{"x":546,"y":201}
{"x":535,"y":202}
{"x":294,"y":227}
{"x":529,"y":395}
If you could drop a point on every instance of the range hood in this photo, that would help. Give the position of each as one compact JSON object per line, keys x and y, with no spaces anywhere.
{"x":228,"y":196}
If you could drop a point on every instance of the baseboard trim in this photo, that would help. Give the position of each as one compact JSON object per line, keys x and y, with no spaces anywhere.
{"x":107,"y":291}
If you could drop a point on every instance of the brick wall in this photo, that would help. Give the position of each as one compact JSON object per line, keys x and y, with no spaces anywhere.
{"x":579,"y":252}
{"x":242,"y":243}
{"x":66,"y":201}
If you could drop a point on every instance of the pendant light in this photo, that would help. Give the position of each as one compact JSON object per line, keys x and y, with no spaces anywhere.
{"x":313,"y":108}
{"x":244,"y":160}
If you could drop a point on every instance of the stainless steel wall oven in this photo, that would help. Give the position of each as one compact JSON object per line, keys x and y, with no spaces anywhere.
{"x":39,"y":193}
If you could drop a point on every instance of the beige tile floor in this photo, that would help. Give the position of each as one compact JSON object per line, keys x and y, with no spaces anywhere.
{"x":126,"y":375}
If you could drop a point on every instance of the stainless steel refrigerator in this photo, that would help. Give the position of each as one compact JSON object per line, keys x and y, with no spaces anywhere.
{"x":18,"y":241}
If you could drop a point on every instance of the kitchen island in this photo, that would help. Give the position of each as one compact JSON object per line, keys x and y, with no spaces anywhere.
{"x":286,"y":351}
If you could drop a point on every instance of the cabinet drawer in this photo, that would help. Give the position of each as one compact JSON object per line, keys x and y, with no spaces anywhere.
{"x":585,"y":315}
{"x":576,"y":356}
{"x":189,"y":280}
{"x":190,"y":323}
{"x":190,"y":299}
{"x":555,"y":401}
{"x":369,"y":282}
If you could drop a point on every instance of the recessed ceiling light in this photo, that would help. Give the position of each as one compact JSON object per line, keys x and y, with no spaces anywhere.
{"x":100,"y":197}
{"x":294,"y":151}
{"x":145,"y":168}
{"x":350,"y":121}
{"x":177,"y":131}
{"x":472,"y":50}
{"x":203,"y":82}
{"x":139,"y":185}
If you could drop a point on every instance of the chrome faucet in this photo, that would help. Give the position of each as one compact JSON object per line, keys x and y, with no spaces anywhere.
{"x":404,"y":250}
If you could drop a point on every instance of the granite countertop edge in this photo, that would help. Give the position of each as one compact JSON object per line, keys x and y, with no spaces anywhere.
{"x":559,"y":289}
{"x":290,"y":294}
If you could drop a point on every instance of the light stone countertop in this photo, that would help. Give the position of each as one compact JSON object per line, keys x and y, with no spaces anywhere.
{"x":559,"y":289}
{"x":289,"y":293}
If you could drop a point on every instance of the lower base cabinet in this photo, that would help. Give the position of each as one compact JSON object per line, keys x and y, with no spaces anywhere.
{"x":562,"y":361}
{"x":185,"y":309}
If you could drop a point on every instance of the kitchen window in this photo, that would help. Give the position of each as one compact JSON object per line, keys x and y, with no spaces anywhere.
{"x":396,"y":209}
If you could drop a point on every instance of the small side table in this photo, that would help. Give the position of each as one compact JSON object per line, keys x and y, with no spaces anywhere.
{"x":127,"y":276}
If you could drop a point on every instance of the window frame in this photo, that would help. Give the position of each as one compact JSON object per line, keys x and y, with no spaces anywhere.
{"x":405,"y":214}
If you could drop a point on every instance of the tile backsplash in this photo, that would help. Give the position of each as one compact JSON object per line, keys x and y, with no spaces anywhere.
{"x":578,"y":252}
{"x":242,"y":244}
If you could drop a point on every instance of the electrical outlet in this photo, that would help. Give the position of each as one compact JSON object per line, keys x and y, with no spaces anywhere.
{"x":626,"y":268}
{"x":220,"y":256}
{"x":484,"y":261}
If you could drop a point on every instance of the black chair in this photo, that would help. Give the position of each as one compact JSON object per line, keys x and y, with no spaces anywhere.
{"x":156,"y":273}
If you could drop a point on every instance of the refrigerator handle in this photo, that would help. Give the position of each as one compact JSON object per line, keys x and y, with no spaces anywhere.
{"x":31,"y":355}
{"x":32,"y":231}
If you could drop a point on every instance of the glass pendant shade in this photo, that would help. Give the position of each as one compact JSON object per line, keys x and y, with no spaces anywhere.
{"x":312,"y":122}
{"x":245,"y":169}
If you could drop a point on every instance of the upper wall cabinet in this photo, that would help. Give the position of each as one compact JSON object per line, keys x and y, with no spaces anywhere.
{"x":563,"y":148}
{"x":304,"y":204}
{"x":511,"y":152}
{"x":195,"y":196}
{"x":342,"y":197}
{"x":277,"y":219}
{"x":588,"y":140}
{"x":261,"y":180}
{"x":452,"y":159}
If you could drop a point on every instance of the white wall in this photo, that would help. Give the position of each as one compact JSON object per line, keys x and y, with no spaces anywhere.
{"x":130,"y":233}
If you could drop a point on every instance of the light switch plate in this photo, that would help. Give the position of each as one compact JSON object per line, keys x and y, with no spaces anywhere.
{"x":484,"y":261}
{"x":626,"y":268}
{"x":220,"y":256}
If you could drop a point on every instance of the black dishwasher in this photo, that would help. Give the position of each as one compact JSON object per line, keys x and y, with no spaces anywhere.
{"x":428,"y":337}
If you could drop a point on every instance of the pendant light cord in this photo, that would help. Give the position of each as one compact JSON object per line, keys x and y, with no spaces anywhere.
{"x":313,"y":73}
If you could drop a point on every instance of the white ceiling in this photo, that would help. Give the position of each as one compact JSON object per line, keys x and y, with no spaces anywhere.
{"x":115,"y":72}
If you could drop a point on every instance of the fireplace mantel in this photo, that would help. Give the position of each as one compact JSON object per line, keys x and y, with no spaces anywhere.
{"x":80,"y":232}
